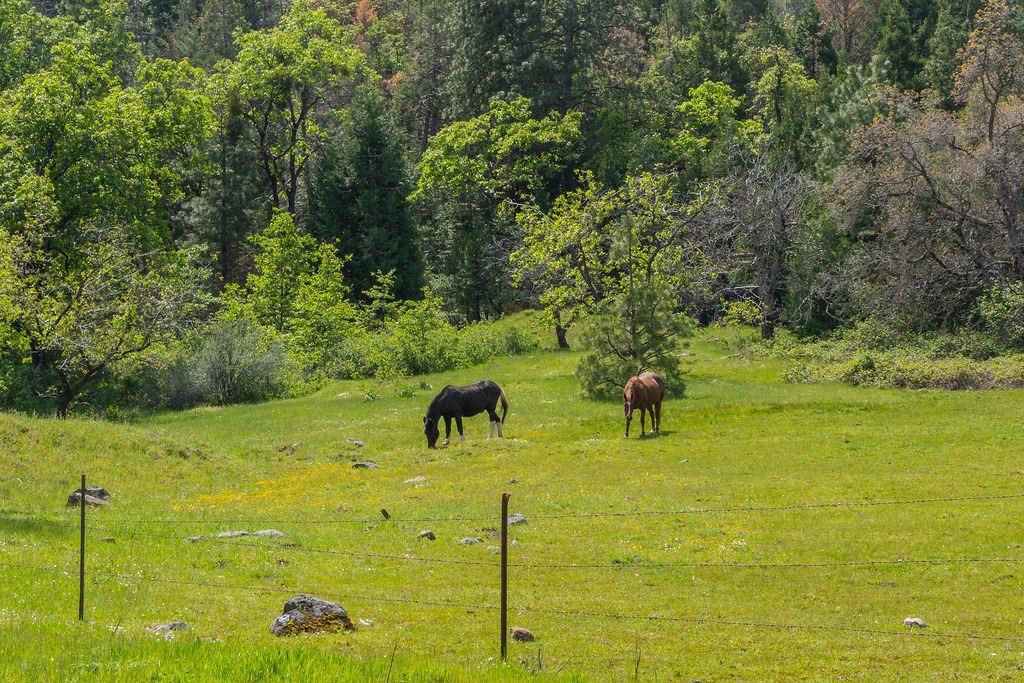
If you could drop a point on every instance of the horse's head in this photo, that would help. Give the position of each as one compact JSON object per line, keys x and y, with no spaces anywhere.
{"x":431,"y":430}
{"x":629,"y":399}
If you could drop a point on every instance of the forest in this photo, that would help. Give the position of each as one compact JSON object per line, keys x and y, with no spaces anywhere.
{"x":214,"y":201}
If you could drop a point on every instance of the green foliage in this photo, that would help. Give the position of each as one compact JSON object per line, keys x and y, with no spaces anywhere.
{"x":113,"y":308}
{"x":634,"y":332}
{"x":785,"y":98}
{"x":417,"y":341}
{"x":949,"y":38}
{"x":742,"y":314}
{"x":471,"y":174}
{"x":297,"y":289}
{"x":711,"y":129}
{"x":615,"y":256}
{"x":1002,"y":310}
{"x":358,"y":201}
{"x":896,"y":44}
{"x":481,"y":342}
{"x":595,"y":244}
{"x":279,"y":80}
{"x":228,"y":361}
{"x":856,"y":98}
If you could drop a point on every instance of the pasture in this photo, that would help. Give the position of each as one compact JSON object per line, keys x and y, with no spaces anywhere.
{"x":739,"y":442}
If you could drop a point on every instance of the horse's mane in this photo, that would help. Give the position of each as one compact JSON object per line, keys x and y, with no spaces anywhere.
{"x":629,"y":391}
{"x":437,"y":399}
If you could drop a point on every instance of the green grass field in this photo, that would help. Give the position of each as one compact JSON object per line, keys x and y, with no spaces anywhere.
{"x":739,"y":439}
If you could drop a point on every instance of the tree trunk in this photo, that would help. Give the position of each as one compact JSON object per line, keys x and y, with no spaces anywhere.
{"x":560,"y":333}
{"x":64,"y":399}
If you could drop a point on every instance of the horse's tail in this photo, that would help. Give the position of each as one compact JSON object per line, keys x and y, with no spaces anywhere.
{"x":504,"y":404}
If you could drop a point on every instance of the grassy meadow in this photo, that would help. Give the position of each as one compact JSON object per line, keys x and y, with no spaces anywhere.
{"x":741,"y":438}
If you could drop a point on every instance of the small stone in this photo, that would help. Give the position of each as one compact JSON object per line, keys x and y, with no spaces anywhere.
{"x":470,"y":540}
{"x":416,"y":480}
{"x":427,"y":534}
{"x":517,"y":518}
{"x":365,"y":622}
{"x":193,"y":539}
{"x":494,"y":549}
{"x":521,"y":634}
{"x":364,"y":465}
{"x":513,"y":481}
{"x":916,"y":622}
{"x":269,"y":533}
{"x":231,"y":534}
{"x":167,"y":630}
{"x":356,"y":442}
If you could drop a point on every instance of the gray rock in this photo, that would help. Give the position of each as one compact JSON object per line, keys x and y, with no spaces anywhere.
{"x":416,"y":480}
{"x":364,"y":465}
{"x":193,"y":539}
{"x":306,"y":614}
{"x":427,"y":534}
{"x":167,"y":628}
{"x":168,"y":631}
{"x":231,"y":534}
{"x":95,"y":496}
{"x":522,"y":635}
{"x":356,"y":442}
{"x":517,"y":518}
{"x":470,"y":540}
{"x":513,"y":480}
{"x":916,"y":622}
{"x":269,"y":533}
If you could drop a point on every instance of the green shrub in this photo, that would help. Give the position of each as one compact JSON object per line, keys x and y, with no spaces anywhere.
{"x":482,"y":341}
{"x":618,"y":350}
{"x":231,"y":361}
{"x":899,"y":369}
{"x":1002,"y":310}
{"x":418,"y":341}
{"x":742,"y":314}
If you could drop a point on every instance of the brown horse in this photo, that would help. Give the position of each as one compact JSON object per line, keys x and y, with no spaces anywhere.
{"x":644,"y":393}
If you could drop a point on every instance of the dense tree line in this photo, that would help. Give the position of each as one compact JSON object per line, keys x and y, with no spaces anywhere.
{"x":179,"y":171}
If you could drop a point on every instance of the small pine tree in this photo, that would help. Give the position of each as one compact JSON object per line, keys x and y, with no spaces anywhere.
{"x":358,"y":200}
{"x":634,"y":332}
{"x":896,"y":42}
{"x":949,"y":38}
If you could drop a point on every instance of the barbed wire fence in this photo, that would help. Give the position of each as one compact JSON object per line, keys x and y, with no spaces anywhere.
{"x":501,"y":567}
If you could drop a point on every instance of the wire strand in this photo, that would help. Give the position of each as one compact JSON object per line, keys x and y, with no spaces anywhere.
{"x":696,"y":620}
{"x":568,"y":515}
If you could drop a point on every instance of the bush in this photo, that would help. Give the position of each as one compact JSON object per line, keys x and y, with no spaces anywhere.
{"x":417,"y":341}
{"x":898,"y":369}
{"x":1002,"y":310}
{"x":231,"y":361}
{"x":482,"y":341}
{"x":617,"y":350}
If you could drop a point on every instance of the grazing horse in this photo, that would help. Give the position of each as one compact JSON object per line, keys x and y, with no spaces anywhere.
{"x":644,"y":393}
{"x":460,"y":402}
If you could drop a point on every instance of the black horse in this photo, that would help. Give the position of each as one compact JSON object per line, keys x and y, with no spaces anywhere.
{"x":460,"y":402}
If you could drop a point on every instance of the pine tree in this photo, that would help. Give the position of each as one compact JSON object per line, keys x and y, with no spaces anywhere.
{"x":896,"y":43}
{"x":813,"y":42}
{"x":949,"y":38}
{"x":358,"y":201}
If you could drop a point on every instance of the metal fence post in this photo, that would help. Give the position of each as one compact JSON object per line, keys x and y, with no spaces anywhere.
{"x":504,"y":575}
{"x":81,"y":553}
